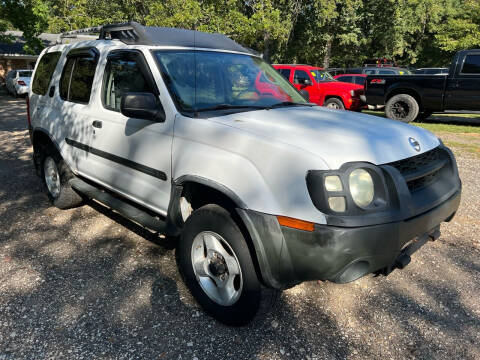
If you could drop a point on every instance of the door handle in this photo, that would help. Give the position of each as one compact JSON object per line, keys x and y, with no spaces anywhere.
{"x":51,"y":91}
{"x":97,"y":124}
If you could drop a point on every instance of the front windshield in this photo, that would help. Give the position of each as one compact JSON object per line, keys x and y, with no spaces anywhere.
{"x":322,"y":75}
{"x":207,"y":80}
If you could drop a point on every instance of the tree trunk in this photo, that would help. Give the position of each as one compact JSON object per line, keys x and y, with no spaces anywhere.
{"x":328,"y":53}
{"x":266,"y":46}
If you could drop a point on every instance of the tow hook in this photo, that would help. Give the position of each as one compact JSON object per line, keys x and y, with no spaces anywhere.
{"x":404,"y":258}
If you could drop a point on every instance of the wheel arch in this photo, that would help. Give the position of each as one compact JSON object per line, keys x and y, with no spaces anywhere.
{"x":404,"y":90}
{"x":328,"y":97}
{"x":40,"y":139}
{"x":203,"y":191}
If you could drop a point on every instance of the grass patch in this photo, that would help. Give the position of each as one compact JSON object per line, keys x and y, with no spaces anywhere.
{"x":451,"y":128}
{"x":472,"y":148}
{"x":442,"y":126}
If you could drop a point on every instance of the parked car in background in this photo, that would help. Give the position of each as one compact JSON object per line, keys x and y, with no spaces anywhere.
{"x":380,"y":71}
{"x":358,"y":79}
{"x":322,"y":88}
{"x":17,"y":82}
{"x":418,"y":96}
{"x":431,"y":71}
{"x":336,"y":71}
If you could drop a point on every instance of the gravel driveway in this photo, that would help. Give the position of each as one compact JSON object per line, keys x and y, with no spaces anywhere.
{"x":86,"y":283}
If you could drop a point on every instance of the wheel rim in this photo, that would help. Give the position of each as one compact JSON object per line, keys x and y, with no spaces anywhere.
{"x":333,"y":105}
{"x":217,"y":268}
{"x":400,"y":110}
{"x":52,"y":177}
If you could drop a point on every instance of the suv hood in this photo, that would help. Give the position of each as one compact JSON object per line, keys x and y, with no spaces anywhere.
{"x":335,"y":136}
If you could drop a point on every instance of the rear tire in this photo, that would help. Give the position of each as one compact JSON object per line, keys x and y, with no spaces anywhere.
{"x":402,"y":107}
{"x":334,"y":103}
{"x":223,"y":282}
{"x":56,"y":176}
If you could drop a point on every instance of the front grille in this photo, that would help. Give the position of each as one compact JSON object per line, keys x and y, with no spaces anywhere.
{"x":417,"y":170}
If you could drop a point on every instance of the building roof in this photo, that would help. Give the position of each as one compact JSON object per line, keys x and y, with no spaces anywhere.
{"x":15,"y":48}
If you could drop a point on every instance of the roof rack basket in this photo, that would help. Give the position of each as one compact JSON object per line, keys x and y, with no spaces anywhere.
{"x":132,"y":33}
{"x":129,"y":33}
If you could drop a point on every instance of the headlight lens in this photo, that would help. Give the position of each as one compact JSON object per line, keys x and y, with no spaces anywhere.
{"x":361,"y":187}
{"x":333,"y":183}
{"x":337,"y":203}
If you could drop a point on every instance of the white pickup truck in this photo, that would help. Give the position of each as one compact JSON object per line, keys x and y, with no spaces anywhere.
{"x":196,"y":137}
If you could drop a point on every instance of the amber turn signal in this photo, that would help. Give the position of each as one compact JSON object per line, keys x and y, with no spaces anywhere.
{"x":295,"y":223}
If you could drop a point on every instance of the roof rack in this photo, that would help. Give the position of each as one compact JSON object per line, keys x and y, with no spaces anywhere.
{"x":133,"y":33}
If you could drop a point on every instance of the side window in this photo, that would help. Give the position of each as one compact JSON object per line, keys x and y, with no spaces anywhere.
{"x":360,"y":80}
{"x":369,"y":72}
{"x":44,"y":72}
{"x":471,"y":65}
{"x":285,"y":73}
{"x":300,"y":77}
{"x":347,"y":79}
{"x":122,"y":75}
{"x":77,"y":78}
{"x":65,"y":79}
{"x":386,"y":72}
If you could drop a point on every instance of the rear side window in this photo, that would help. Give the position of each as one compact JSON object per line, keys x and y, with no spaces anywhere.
{"x":471,"y":65}
{"x":77,"y":78}
{"x":44,"y":72}
{"x":285,"y":73}
{"x":24,"y":74}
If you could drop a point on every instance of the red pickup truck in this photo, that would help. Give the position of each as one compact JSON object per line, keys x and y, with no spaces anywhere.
{"x":322,"y":88}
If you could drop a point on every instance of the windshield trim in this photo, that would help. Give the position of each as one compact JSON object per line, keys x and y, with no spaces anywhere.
{"x":192,"y":113}
{"x":190,"y":48}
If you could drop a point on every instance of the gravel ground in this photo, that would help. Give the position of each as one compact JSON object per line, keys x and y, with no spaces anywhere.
{"x":86,"y":283}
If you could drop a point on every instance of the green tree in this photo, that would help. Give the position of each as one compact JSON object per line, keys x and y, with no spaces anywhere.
{"x":29,"y":16}
{"x":462,"y":29}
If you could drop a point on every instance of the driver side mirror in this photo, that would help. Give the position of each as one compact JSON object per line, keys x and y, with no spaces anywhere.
{"x":142,"y":106}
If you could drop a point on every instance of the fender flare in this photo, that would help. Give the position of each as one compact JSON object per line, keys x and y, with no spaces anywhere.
{"x":37,"y":130}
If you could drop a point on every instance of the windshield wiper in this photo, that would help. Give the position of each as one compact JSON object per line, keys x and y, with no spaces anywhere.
{"x":289,"y":103}
{"x":230,"y":106}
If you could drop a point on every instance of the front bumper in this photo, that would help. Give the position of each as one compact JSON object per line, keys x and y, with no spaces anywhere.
{"x":355,"y":104}
{"x":288,"y":256}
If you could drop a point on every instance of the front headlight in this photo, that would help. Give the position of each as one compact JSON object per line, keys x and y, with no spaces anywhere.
{"x":353,"y":190}
{"x":362,"y":188}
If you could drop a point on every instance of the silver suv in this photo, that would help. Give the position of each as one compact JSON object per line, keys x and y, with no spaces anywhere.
{"x":196,"y":137}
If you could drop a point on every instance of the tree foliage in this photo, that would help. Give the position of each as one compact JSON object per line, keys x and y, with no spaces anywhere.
{"x":320,"y":32}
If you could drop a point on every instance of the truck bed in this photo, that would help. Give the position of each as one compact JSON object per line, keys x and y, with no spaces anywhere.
{"x":431,"y":88}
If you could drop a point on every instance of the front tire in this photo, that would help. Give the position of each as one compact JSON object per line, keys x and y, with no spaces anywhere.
{"x":402,"y":107}
{"x":56,"y":176}
{"x":334,"y":103}
{"x":215,"y":262}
